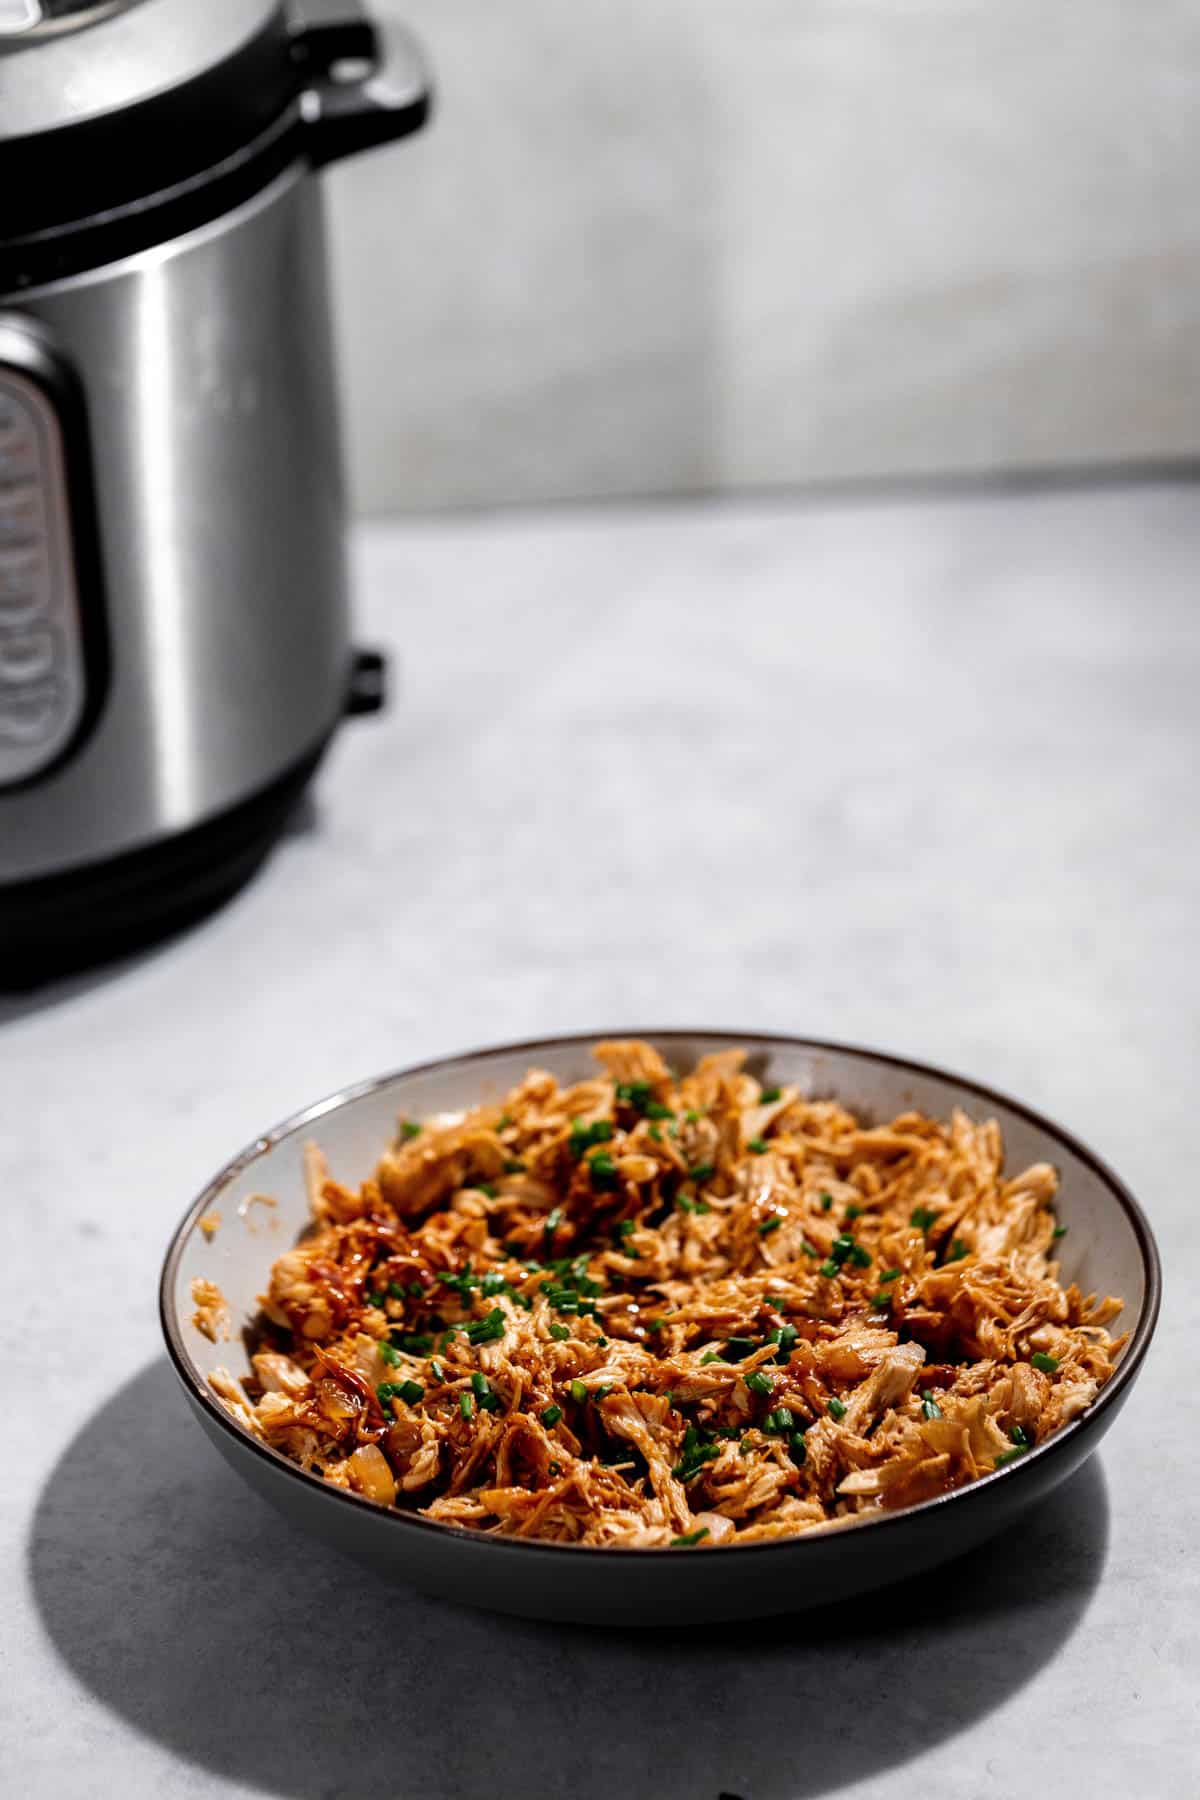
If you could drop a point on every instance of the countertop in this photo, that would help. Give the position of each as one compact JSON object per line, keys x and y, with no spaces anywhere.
{"x":918,"y":772}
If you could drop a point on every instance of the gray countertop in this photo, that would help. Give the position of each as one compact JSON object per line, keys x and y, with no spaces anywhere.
{"x":919,"y":773}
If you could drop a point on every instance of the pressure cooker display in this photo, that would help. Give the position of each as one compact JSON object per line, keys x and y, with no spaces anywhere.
{"x":41,"y":656}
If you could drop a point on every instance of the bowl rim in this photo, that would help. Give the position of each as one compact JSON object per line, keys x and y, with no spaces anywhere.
{"x":1108,"y":1399}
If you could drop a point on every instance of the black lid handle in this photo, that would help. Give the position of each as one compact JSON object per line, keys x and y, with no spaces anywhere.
{"x":381,"y":94}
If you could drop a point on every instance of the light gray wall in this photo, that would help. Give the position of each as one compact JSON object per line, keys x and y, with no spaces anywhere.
{"x":669,"y":245}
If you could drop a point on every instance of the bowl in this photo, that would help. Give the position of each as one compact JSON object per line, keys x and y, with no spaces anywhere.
{"x":1109,"y":1248}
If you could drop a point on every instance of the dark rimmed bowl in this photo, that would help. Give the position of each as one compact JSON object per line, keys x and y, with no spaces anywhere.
{"x":1109,"y":1248}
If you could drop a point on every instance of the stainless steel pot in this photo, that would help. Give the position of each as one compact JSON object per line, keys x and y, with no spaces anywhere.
{"x":174,"y":638}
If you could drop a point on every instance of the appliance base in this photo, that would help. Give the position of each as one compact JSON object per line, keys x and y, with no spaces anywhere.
{"x":60,"y":924}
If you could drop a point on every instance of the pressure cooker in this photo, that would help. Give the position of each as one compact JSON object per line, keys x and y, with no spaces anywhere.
{"x":175,"y":648}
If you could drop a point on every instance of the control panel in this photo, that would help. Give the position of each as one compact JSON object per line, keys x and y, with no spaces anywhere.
{"x":43,"y":672}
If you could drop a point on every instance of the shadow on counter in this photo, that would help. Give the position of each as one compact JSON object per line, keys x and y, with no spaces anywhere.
{"x":192,"y":1611}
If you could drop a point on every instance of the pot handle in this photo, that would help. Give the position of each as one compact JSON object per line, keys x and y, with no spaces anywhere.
{"x":381,"y":92}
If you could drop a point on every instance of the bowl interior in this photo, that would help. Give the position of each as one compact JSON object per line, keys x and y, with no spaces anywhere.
{"x":1106,"y":1247}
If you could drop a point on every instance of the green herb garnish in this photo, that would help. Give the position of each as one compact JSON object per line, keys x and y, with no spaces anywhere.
{"x":689,"y":1538}
{"x":1047,"y":1364}
{"x":757,"y":1382}
{"x":550,"y":1416}
{"x":411,"y":1392}
{"x":486,"y":1331}
{"x":757,"y":1145}
{"x":603,"y":1174}
{"x":579,"y":1392}
{"x":485,"y":1393}
{"x":837,"y":1408}
{"x":770,"y":1225}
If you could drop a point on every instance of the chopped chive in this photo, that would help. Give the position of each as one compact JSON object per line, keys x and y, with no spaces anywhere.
{"x":416,"y":1289}
{"x":391,"y":1357}
{"x":1020,"y":1437}
{"x":929,"y":1406}
{"x":689,"y":1538}
{"x":826,"y":1202}
{"x":958,"y":1249}
{"x":1007,"y":1456}
{"x":757,"y":1382}
{"x":409,"y":1129}
{"x":550,"y":1416}
{"x":770,"y":1225}
{"x":828,"y":1269}
{"x":882,"y":1299}
{"x":561,"y":1332}
{"x":841,"y":1247}
{"x":891,"y":1274}
{"x":702,"y":1171}
{"x":552,"y":1222}
{"x":859,"y":1257}
{"x":504,"y":1121}
{"x":1060,"y":1231}
{"x":436,"y":1369}
{"x":656,"y":1134}
{"x":514,"y":1166}
{"x":837,"y":1408}
{"x":603,"y":1174}
{"x":784,"y":1418}
{"x":852,"y":1212}
{"x":757,"y":1144}
{"x":769,"y":1094}
{"x":922,"y":1218}
{"x":654,"y":1109}
{"x":1047,"y":1364}
{"x":376,"y":1299}
{"x":692,"y":1116}
{"x":809,"y":1249}
{"x":798,"y":1447}
{"x":579,"y":1392}
{"x":711,"y":1356}
{"x":485,"y":1393}
{"x":486,"y":1331}
{"x":485,"y":1187}
{"x":411,"y":1392}
{"x":466,"y":1405}
{"x":385,"y":1392}
{"x":738,"y":1347}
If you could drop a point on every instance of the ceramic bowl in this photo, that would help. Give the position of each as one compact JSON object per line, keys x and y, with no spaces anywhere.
{"x":1108,"y":1248}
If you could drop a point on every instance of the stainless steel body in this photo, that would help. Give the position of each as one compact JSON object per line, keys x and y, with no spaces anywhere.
{"x":206,"y":363}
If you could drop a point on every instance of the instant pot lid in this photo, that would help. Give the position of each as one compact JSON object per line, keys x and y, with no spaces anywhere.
{"x":103,"y":101}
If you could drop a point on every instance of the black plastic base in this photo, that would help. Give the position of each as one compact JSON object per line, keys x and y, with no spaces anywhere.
{"x":60,"y":924}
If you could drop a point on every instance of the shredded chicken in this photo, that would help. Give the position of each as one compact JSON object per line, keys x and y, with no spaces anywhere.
{"x":659,"y":1309}
{"x":211,"y":1316}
